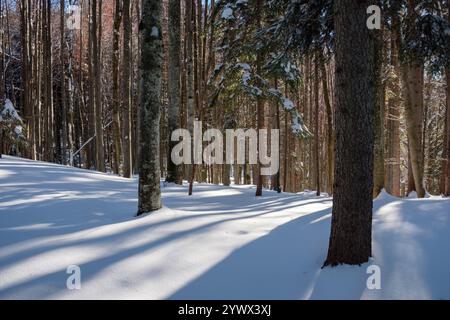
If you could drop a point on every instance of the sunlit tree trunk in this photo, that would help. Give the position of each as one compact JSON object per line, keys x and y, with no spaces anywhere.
{"x":151,"y":70}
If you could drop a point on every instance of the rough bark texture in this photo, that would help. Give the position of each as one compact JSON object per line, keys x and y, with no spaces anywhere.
{"x":151,"y":70}
{"x":173,"y":171}
{"x":351,"y":227}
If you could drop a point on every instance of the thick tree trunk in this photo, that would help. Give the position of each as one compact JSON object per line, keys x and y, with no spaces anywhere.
{"x":351,"y":226}
{"x":412,"y":75}
{"x":174,"y":173}
{"x":151,"y":70}
{"x":413,"y":83}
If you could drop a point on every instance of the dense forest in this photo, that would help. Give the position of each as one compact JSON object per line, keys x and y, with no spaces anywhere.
{"x":359,"y":93}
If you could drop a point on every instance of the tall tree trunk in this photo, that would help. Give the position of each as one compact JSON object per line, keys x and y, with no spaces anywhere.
{"x":116,"y":87}
{"x":378,"y":95}
{"x":96,"y":54}
{"x":189,"y":78}
{"x":276,"y":125}
{"x":412,"y":74}
{"x":351,"y":225}
{"x":393,"y":107}
{"x":316,"y":125}
{"x":330,"y":130}
{"x":2,"y":74}
{"x":90,"y":132}
{"x":447,"y":169}
{"x":151,"y":70}
{"x":259,"y":108}
{"x":48,"y":94}
{"x":174,"y":173}
{"x":126,"y":94}
{"x":63,"y":85}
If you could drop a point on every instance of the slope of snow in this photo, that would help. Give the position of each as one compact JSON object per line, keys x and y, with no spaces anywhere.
{"x":220,"y":243}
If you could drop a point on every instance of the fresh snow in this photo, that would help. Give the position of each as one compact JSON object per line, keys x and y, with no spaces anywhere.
{"x":9,"y":112}
{"x":222,"y":242}
{"x":288,"y":104}
{"x":227,"y":13}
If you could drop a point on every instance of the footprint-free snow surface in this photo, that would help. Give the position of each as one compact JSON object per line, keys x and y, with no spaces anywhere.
{"x":220,"y":243}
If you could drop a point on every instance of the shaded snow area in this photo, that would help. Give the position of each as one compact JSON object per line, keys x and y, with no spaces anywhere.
{"x":220,"y":243}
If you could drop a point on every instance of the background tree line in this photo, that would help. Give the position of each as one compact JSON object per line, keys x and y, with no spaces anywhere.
{"x":231,"y":64}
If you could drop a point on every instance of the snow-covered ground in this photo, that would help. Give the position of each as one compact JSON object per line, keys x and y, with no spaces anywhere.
{"x":220,"y":243}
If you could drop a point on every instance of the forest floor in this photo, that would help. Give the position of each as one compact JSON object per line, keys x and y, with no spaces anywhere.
{"x":220,"y":243}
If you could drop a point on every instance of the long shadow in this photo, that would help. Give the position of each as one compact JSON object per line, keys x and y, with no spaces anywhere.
{"x":94,"y":267}
{"x":25,"y":222}
{"x":285,"y":264}
{"x":57,"y":215}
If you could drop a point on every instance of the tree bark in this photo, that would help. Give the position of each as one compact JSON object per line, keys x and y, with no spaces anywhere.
{"x":259,"y":108}
{"x":378,"y":95}
{"x":351,"y":225}
{"x":126,"y":94}
{"x":96,"y":53}
{"x":393,"y":109}
{"x":447,"y":153}
{"x":173,"y":172}
{"x":151,"y":70}
{"x":116,"y":87}
{"x":63,"y":86}
{"x":412,"y":74}
{"x":330,"y":130}
{"x":447,"y":168}
{"x":316,"y":125}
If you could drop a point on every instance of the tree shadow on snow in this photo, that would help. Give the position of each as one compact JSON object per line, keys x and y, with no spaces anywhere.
{"x":284,"y":264}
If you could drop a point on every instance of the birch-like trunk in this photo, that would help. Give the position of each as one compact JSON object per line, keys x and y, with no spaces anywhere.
{"x":151,"y":70}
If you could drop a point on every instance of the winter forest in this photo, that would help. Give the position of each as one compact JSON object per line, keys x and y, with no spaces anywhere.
{"x":224,"y":149}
